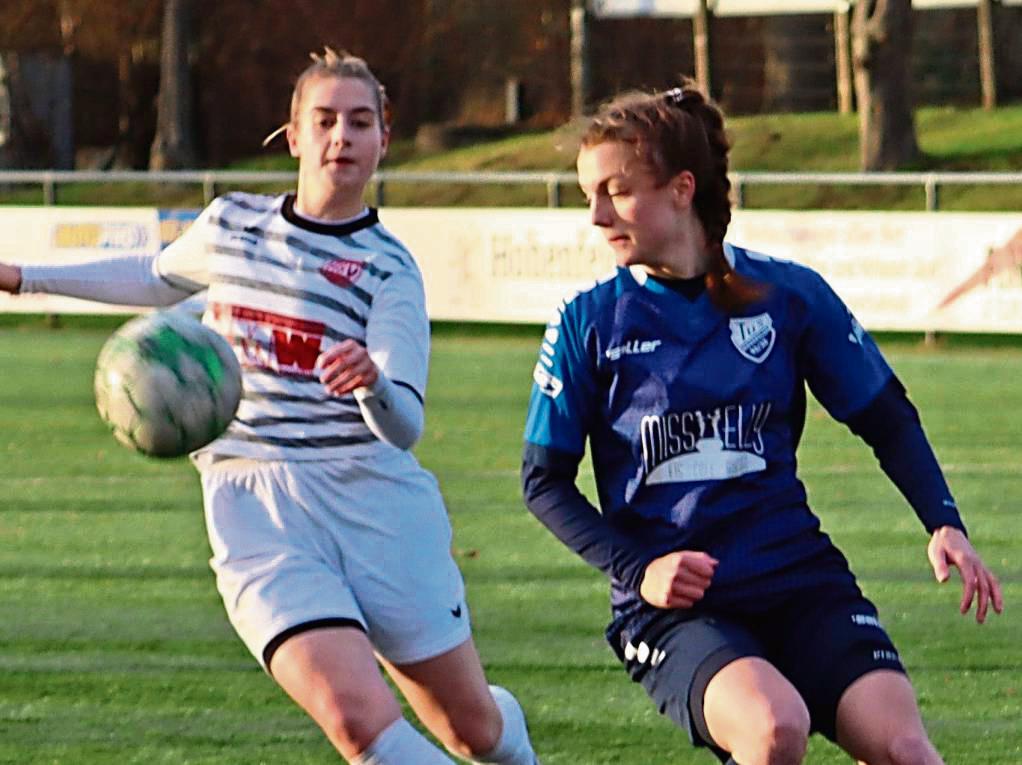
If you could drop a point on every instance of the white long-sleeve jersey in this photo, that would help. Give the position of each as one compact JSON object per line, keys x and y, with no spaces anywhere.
{"x":282,"y":290}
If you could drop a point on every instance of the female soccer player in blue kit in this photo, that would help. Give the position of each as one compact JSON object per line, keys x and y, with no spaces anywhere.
{"x":331,"y":544}
{"x":686,"y":371}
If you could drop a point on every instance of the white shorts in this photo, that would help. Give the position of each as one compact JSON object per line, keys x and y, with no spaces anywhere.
{"x":299,"y":545}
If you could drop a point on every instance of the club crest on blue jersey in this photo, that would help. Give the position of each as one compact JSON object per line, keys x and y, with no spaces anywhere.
{"x":754,"y":336}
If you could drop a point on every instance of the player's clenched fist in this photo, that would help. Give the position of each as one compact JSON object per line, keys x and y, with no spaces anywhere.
{"x":347,"y":366}
{"x":678,"y":579}
{"x":10,"y":278}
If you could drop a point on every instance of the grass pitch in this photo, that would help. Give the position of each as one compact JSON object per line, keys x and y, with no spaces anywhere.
{"x":114,"y":647}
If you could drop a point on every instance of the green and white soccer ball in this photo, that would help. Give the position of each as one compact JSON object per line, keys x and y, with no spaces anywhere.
{"x":166,"y":384}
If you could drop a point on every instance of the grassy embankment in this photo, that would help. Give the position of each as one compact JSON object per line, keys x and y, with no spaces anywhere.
{"x":951,"y":139}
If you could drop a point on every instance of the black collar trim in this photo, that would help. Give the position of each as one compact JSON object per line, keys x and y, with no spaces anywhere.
{"x":371,"y":218}
{"x":691,"y":287}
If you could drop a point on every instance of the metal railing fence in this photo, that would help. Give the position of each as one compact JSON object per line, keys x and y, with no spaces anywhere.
{"x":213,"y":181}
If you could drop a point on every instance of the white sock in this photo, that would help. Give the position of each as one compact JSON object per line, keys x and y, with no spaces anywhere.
{"x":514,"y":746}
{"x":400,"y":744}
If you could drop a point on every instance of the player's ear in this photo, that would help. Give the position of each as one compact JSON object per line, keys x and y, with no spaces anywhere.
{"x":292,"y":139}
{"x":683,"y":188}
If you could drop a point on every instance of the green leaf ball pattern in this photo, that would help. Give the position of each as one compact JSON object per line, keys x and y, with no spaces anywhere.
{"x":166,"y":384}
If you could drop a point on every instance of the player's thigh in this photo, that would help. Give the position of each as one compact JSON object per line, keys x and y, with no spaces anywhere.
{"x":333,"y":675}
{"x":749,"y":701}
{"x":824,"y":641}
{"x":449,"y":693}
{"x":675,"y":657}
{"x":878,"y":721}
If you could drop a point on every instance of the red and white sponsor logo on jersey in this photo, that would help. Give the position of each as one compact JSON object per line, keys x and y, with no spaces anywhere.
{"x":342,"y":272}
{"x":268,"y":340}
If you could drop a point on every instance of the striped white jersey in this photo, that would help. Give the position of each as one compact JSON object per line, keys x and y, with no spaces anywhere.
{"x":282,"y":290}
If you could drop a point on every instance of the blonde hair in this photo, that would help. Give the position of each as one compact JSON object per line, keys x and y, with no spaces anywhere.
{"x":332,"y":63}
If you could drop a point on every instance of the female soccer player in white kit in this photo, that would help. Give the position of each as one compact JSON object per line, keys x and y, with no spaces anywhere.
{"x":685,"y":372}
{"x":331,"y":544}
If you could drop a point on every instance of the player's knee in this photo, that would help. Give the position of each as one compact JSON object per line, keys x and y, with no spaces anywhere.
{"x":473,"y":731}
{"x":351,"y":720}
{"x":785,"y":742}
{"x":473,"y":738}
{"x":780,"y":737}
{"x":912,"y":749}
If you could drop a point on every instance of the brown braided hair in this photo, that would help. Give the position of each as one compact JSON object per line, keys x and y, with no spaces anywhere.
{"x":674,"y":131}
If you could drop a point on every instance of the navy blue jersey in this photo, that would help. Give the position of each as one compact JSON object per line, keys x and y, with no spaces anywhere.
{"x":693,"y":416}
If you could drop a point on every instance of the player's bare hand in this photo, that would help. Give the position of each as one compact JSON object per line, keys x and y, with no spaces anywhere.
{"x":347,"y":366}
{"x":10,"y":278}
{"x":950,"y":547}
{"x":678,"y":579}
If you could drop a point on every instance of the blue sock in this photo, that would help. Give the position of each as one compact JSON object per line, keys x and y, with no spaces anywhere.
{"x":400,"y":744}
{"x":514,"y":746}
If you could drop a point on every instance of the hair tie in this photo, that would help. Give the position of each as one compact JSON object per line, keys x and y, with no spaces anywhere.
{"x":677,"y":97}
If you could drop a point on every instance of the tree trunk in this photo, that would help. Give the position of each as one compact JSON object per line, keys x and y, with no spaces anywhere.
{"x":701,"y":25}
{"x":987,"y":62}
{"x":843,"y":59}
{"x":882,"y":57}
{"x":579,"y":67}
{"x":138,"y":76}
{"x":174,"y":145}
{"x":69,"y":24}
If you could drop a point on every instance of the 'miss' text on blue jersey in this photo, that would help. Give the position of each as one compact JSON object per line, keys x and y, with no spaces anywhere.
{"x":693,"y":417}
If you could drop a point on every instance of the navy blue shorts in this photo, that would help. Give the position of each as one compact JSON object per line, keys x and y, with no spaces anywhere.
{"x":821,"y":640}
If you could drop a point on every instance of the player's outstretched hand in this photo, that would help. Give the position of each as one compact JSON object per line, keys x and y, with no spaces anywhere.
{"x":950,"y":547}
{"x":678,"y":579}
{"x":347,"y":366}
{"x":10,"y":278}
